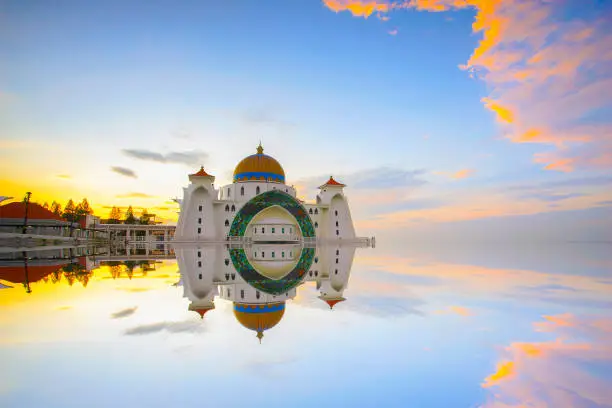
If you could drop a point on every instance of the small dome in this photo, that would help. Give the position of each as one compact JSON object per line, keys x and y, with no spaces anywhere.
{"x":259,"y":317}
{"x":259,"y":167}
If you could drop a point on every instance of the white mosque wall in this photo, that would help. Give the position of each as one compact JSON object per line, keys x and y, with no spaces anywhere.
{"x":197,"y":219}
{"x":242,"y":192}
{"x":198,"y":266}
{"x":207,"y":213}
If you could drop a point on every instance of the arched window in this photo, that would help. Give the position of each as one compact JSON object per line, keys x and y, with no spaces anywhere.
{"x":199,"y":208}
{"x":263,"y":230}
{"x":337,"y":252}
{"x":228,"y":293}
{"x":226,"y":223}
{"x":336,"y":212}
{"x":336,"y":260}
{"x":316,"y":224}
{"x":337,"y":232}
{"x":226,"y":207}
{"x":226,"y":261}
{"x":257,"y":294}
{"x":316,"y":259}
{"x":336,"y":272}
{"x":242,"y":190}
{"x":233,"y":208}
{"x":199,"y":230}
{"x":200,"y":276}
{"x":257,"y":190}
{"x":255,"y":230}
{"x":316,"y":211}
{"x":310,"y":211}
{"x":242,"y":293}
{"x":199,"y":220}
{"x":199,"y":264}
{"x":233,"y":276}
{"x":229,"y":192}
{"x":337,"y":224}
{"x":199,"y":254}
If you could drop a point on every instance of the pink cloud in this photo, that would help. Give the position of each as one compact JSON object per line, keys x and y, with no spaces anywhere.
{"x":555,"y":373}
{"x":546,"y":72}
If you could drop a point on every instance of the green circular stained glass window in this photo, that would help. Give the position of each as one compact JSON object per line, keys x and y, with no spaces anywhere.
{"x":239,"y":227}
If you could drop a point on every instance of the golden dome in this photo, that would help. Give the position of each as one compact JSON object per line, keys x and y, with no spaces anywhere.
{"x":259,"y":317}
{"x":259,"y":166}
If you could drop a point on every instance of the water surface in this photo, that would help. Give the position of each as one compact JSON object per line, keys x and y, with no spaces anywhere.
{"x":420,"y":327}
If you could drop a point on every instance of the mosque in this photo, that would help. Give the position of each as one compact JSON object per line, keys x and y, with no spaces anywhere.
{"x":258,"y":206}
{"x":207,"y":272}
{"x":253,"y":242}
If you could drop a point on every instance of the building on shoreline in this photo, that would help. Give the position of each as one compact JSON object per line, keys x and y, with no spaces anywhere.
{"x":31,"y":219}
{"x":258,"y":206}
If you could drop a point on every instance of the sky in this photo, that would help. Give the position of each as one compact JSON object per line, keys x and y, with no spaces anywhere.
{"x":443,"y":117}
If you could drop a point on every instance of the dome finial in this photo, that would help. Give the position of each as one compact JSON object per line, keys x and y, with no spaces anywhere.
{"x":260,"y":148}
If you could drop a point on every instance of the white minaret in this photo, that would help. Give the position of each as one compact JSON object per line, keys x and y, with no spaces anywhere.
{"x":336,"y":221}
{"x":196,"y":220}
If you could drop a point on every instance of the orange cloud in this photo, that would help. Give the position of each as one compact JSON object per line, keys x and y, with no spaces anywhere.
{"x":461,"y":174}
{"x":553,"y":72}
{"x":504,"y":115}
{"x":460,"y":310}
{"x":556,"y":373}
{"x":504,"y":370}
{"x":357,"y":8}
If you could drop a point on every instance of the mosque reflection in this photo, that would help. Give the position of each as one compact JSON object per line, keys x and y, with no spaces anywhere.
{"x":258,"y":301}
{"x":257,"y":279}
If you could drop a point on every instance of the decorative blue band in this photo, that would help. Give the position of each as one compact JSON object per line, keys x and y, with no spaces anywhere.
{"x":258,"y":175}
{"x":258,"y":309}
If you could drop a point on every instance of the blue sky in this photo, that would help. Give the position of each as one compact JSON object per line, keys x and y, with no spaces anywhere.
{"x":327,"y":92}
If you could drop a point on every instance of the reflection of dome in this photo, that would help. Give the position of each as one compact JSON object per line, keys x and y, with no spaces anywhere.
{"x":259,"y":167}
{"x":259,"y":317}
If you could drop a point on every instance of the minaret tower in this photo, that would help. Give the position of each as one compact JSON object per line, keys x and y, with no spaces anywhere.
{"x":197,"y":217}
{"x":337,"y":222}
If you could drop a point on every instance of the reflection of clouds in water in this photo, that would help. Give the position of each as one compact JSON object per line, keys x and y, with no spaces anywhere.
{"x":135,"y":289}
{"x":171,"y":327}
{"x":381,"y":306}
{"x":273,"y":366}
{"x":550,"y":288}
{"x":409,"y":279}
{"x":573,"y":370}
{"x":370,"y":300}
{"x":124,"y":312}
{"x":566,"y":298}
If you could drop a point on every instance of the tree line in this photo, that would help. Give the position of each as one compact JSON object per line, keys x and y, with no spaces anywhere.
{"x":72,"y":212}
{"x":115,"y":217}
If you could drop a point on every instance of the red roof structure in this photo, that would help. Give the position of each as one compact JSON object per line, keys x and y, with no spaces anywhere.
{"x":201,"y":173}
{"x":35,"y":212}
{"x":332,"y":182}
{"x":332,"y":302}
